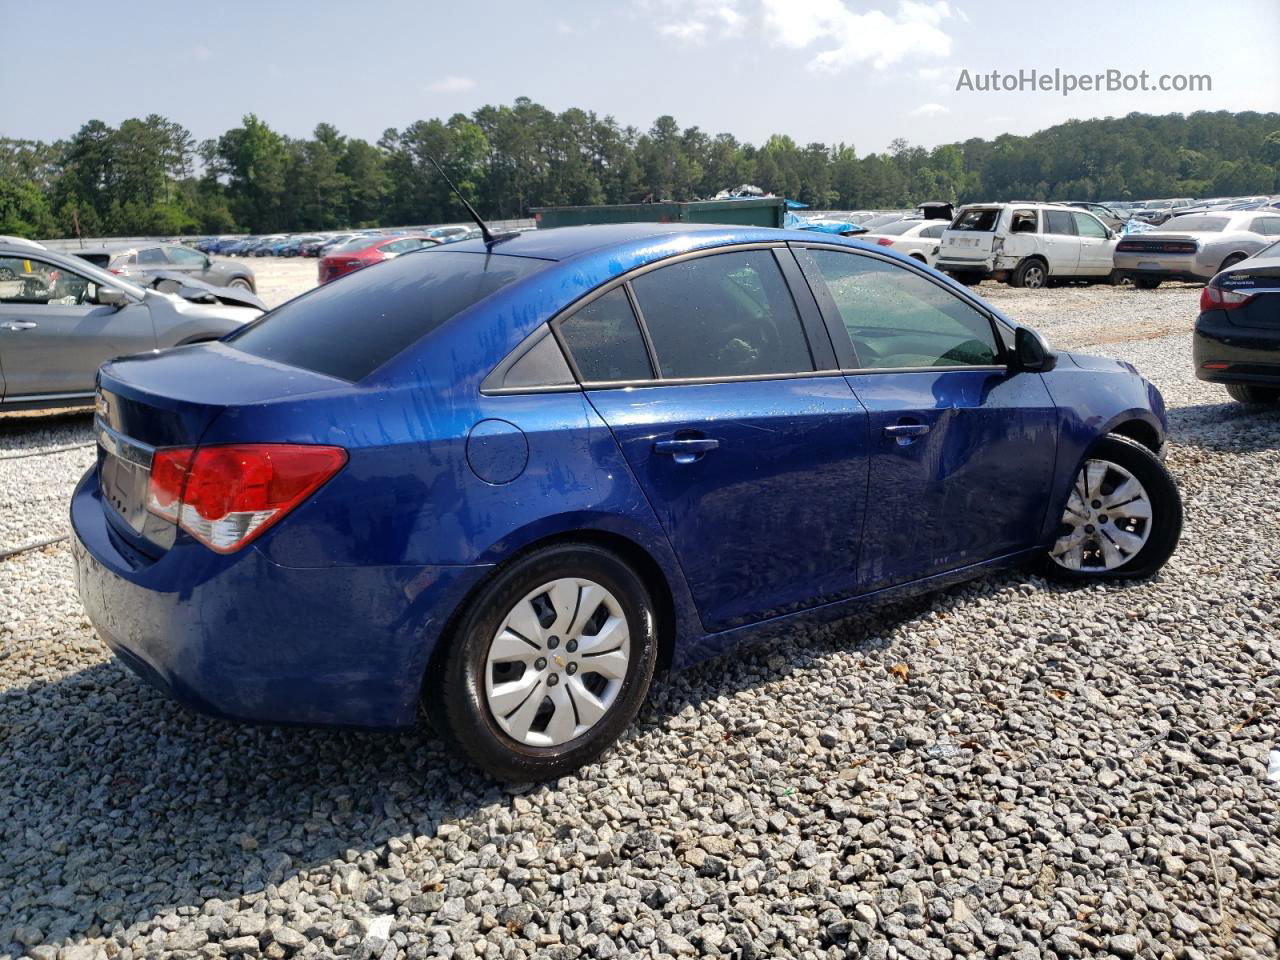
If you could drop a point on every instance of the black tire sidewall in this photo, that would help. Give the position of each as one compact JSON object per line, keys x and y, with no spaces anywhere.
{"x":1020,"y":275}
{"x":1166,"y":509}
{"x":454,"y":691}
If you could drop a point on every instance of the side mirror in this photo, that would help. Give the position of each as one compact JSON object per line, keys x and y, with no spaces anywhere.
{"x":111,"y":297}
{"x":1031,"y":353}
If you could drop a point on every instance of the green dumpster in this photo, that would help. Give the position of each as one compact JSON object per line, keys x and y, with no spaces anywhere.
{"x":751,"y":212}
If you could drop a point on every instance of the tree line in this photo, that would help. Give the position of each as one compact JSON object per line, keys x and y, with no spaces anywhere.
{"x":151,"y":177}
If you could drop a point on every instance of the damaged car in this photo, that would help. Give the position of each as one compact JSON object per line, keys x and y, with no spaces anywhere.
{"x":1026,"y":245}
{"x":61,"y":318}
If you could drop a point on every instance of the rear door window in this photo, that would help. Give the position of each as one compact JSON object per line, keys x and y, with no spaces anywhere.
{"x":152,"y":257}
{"x":349,"y":329}
{"x":723,"y":315}
{"x":1059,"y":222}
{"x":604,"y":340}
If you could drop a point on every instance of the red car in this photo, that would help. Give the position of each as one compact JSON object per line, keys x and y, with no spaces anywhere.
{"x":364,"y":251}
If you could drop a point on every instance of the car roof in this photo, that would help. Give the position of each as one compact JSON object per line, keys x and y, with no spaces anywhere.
{"x":564,"y":243}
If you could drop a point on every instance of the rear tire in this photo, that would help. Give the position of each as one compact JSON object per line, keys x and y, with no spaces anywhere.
{"x":968,"y":279}
{"x":1146,"y":283}
{"x":241,"y":283}
{"x":1253,"y":396}
{"x":1032,"y":274}
{"x":1134,"y":528}
{"x":571,"y":713}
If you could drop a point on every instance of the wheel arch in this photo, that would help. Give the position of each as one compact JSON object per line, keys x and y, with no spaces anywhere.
{"x":673,"y":622}
{"x":1136,"y":429}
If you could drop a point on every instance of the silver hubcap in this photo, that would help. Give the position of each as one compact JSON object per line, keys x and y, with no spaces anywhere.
{"x":1034,"y":277}
{"x":556,"y":664}
{"x":1108,"y":516}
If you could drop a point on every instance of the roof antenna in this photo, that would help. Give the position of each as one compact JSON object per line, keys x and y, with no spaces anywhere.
{"x":489,"y":238}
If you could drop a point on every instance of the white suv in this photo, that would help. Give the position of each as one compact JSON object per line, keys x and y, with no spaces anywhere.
{"x":1026,"y":244}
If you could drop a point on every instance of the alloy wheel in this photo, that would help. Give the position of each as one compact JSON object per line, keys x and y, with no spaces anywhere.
{"x":1107,"y":520}
{"x":1033,"y":278}
{"x":557,"y":662}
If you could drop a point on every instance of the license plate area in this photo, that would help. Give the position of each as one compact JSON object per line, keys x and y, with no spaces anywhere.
{"x":124,"y":473}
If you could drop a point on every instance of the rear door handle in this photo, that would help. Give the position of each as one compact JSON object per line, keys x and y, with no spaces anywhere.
{"x":686,"y":450}
{"x":905,"y":433}
{"x":19,"y":324}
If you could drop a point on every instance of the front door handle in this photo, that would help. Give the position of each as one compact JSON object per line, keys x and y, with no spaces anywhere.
{"x":19,"y":324}
{"x":686,"y":450}
{"x":905,"y":433}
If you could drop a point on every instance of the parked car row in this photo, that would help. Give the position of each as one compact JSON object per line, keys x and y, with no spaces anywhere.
{"x":1036,"y":244}
{"x":315,"y":245}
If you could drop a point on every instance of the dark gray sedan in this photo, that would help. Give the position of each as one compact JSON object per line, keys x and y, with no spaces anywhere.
{"x":142,"y":262}
{"x":61,"y":318}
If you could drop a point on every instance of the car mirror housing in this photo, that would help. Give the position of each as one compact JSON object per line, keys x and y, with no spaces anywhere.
{"x":1031,"y":352}
{"x":112,"y":297}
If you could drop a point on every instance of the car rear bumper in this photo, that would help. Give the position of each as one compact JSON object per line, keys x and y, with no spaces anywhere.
{"x":245,"y":638}
{"x":1251,"y":354}
{"x":1163,"y":268}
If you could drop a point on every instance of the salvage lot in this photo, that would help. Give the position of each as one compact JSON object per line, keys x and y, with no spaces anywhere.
{"x":1012,"y":767}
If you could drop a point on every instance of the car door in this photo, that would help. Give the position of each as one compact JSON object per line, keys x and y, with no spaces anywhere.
{"x":190,"y":262}
{"x":962,"y":452}
{"x":54,"y":335}
{"x":723,"y":395}
{"x":1061,"y":245}
{"x":1096,"y":246}
{"x":153,"y":260}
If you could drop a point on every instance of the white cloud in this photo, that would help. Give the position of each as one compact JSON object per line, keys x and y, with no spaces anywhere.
{"x":451,"y":84}
{"x":700,"y":20}
{"x":564,"y":29}
{"x":847,"y":38}
{"x":930,"y":110}
{"x":201,"y":53}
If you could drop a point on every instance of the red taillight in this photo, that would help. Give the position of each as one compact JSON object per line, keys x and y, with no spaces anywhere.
{"x":1215,"y":298}
{"x":885,"y":241}
{"x":227,"y":495}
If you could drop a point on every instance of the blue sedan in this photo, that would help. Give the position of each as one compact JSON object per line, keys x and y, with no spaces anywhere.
{"x":509,"y":482}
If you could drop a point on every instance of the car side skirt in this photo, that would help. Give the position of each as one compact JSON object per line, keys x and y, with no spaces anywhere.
{"x":719,"y":644}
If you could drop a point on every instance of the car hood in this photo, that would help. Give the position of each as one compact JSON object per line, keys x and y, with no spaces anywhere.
{"x":198,"y":291}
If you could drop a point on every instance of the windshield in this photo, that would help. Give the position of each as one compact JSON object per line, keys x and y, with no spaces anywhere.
{"x":1194,"y":222}
{"x":349,"y":328}
{"x":977,"y":218}
{"x":358,"y":243}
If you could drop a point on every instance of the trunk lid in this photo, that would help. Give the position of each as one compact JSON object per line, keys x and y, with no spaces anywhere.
{"x":169,"y":399}
{"x":1262,"y":284}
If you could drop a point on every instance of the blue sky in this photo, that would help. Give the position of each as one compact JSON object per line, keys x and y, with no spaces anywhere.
{"x":856,"y":71}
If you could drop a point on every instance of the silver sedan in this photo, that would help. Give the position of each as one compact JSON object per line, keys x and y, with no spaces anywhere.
{"x":61,"y":318}
{"x":1194,"y":247}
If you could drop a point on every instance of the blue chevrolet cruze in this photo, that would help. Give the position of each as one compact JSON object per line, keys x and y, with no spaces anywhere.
{"x":508,"y":482}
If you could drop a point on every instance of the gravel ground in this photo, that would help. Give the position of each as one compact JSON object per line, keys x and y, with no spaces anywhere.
{"x":1012,"y":768}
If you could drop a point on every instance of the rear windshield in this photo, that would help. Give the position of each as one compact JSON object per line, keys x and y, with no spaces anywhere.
{"x":902,"y":226}
{"x":979,"y":218}
{"x":1195,"y":222}
{"x":97,"y":259}
{"x":350,"y":327}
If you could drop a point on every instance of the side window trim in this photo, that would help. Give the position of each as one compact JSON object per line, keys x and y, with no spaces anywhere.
{"x":624,"y":281}
{"x":840,"y":334}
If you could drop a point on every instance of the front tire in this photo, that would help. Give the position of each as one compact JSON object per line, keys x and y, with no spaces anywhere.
{"x":1253,"y":396}
{"x":1123,"y":518}
{"x":242,"y":284}
{"x":549,"y":663}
